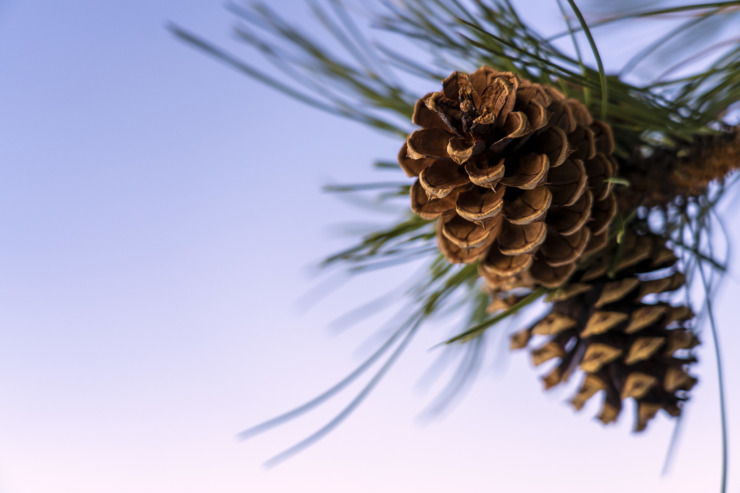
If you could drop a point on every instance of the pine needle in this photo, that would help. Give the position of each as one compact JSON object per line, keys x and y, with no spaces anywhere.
{"x":483,"y":326}
{"x":592,"y":43}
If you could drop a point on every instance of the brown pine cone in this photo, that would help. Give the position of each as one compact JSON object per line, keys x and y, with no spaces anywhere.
{"x":619,"y":332}
{"x":684,"y":170}
{"x":516,"y":175}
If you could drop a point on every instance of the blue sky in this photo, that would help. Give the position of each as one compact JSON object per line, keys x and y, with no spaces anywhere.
{"x":160,"y":217}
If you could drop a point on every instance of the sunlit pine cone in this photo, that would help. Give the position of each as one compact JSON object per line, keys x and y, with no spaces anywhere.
{"x":516,"y":175}
{"x":618,"y":330}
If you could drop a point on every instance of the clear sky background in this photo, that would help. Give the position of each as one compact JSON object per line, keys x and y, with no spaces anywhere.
{"x":160,"y":214}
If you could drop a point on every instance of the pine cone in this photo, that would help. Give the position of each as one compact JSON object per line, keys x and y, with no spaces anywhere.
{"x":627,"y":346}
{"x":684,"y":170}
{"x":516,"y":175}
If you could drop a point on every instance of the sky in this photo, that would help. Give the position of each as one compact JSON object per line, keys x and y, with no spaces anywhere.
{"x":162,"y":217}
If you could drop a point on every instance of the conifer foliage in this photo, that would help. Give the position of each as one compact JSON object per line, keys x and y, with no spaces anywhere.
{"x":534,"y":173}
